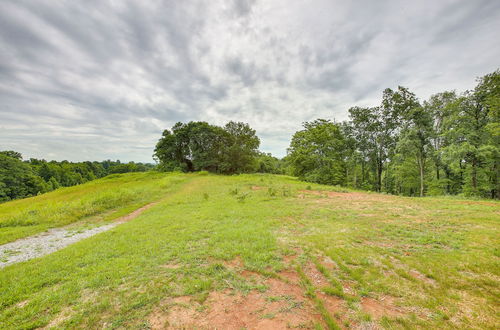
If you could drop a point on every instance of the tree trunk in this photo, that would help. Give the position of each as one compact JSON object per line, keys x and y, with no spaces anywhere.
{"x":474,"y":174}
{"x":363,"y":171}
{"x":421,"y":168}
{"x":379,"y":175}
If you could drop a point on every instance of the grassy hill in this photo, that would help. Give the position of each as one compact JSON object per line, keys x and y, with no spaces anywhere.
{"x":259,"y":251}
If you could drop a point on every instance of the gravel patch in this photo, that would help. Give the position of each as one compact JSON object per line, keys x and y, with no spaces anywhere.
{"x":54,"y":239}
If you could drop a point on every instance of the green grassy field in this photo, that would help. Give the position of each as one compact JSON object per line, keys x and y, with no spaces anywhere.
{"x":96,"y":201}
{"x":268,"y":251}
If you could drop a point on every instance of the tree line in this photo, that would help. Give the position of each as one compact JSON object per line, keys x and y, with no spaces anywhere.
{"x":446,"y":145}
{"x":19,"y":179}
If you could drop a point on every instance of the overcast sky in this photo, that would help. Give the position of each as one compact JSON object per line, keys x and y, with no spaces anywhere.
{"x":93,"y":80}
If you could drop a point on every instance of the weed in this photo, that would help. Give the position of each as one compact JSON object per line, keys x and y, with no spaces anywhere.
{"x":242,"y":197}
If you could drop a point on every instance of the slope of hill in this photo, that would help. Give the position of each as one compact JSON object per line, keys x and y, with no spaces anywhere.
{"x":252,"y":251}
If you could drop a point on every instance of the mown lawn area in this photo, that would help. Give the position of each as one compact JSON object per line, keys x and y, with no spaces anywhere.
{"x":258,"y":251}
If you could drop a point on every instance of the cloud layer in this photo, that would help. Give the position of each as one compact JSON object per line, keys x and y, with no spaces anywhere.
{"x":92,"y":80}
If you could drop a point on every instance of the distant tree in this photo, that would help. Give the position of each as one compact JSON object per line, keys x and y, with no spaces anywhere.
{"x":266,"y":163}
{"x":17,"y":179}
{"x":13,"y":154}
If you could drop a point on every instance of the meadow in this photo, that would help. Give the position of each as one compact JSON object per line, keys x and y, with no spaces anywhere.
{"x":253,"y":251}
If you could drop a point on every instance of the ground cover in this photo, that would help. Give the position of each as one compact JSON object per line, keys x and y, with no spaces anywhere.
{"x":264,"y":251}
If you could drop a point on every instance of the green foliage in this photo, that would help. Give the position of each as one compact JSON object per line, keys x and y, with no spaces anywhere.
{"x":197,"y":146}
{"x":317,"y":153}
{"x":19,"y":218}
{"x":447,"y":145}
{"x":20,"y":179}
{"x":266,"y":163}
{"x":17,"y":179}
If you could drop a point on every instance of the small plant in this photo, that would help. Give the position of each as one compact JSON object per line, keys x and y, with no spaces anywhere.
{"x":286,"y":191}
{"x":233,"y":191}
{"x":309,"y":187}
{"x":205,"y":196}
{"x":241,"y":198}
{"x":271,"y":191}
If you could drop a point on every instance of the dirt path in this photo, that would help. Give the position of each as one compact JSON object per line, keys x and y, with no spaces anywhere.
{"x":55,"y":239}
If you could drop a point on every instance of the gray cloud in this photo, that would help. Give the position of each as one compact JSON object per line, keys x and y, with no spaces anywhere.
{"x":102,"y":79}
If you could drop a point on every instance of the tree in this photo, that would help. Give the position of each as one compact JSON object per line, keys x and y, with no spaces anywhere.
{"x":441,"y":106}
{"x":266,"y":163}
{"x":17,"y":179}
{"x":199,"y":146}
{"x":488,"y":95}
{"x":240,"y":148}
{"x":416,"y":137}
{"x":13,"y":154}
{"x":316,"y":153}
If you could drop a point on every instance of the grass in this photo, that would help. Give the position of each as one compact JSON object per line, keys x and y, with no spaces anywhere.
{"x":96,"y":201}
{"x":433,"y":260}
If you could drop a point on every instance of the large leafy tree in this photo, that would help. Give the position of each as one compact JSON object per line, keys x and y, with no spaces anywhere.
{"x":317,"y":153}
{"x":200,"y":146}
{"x":415,"y":139}
{"x":441,"y":106}
{"x":240,"y":148}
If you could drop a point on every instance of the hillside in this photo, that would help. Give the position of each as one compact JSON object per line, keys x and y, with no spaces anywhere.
{"x":251,"y":251}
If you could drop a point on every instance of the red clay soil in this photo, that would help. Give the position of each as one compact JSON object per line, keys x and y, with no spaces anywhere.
{"x":284,"y":305}
{"x":135,"y":213}
{"x":346,"y":195}
{"x":315,"y":276}
{"x":379,"y":308}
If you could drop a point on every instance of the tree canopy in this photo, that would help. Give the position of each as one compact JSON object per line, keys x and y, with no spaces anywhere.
{"x":448,"y":144}
{"x":199,"y":146}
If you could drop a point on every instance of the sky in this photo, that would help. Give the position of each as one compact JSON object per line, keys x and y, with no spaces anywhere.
{"x":95,"y":80}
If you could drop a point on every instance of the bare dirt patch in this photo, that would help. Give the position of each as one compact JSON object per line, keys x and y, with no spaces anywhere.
{"x":347,"y":287}
{"x":380,"y":308}
{"x":290,"y":276}
{"x":419,"y":276}
{"x":315,"y":276}
{"x":333,"y":305}
{"x":290,"y":259}
{"x":135,"y":213}
{"x":236,"y":263}
{"x":171,"y":266}
{"x":257,"y":188}
{"x":328,"y":263}
{"x":282,"y":306}
{"x":348,"y":195}
{"x":60,"y":318}
{"x":21,"y":304}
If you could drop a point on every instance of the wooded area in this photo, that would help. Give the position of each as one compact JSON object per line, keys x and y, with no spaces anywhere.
{"x":19,"y":179}
{"x":446,"y":145}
